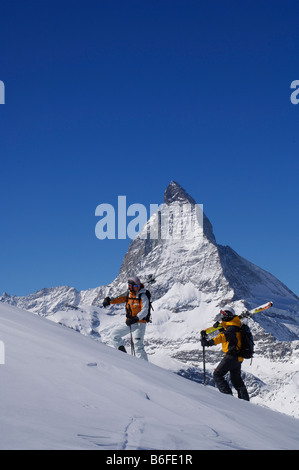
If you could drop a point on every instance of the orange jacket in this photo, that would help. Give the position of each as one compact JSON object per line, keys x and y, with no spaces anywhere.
{"x":231,"y":337}
{"x":134,"y":305}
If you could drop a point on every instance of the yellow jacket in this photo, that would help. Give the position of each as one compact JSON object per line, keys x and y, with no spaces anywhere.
{"x":231,"y":337}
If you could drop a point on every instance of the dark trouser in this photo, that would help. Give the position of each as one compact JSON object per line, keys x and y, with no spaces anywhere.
{"x":232,"y":365}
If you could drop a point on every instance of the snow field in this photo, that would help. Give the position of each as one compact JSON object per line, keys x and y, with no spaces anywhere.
{"x":62,"y":390}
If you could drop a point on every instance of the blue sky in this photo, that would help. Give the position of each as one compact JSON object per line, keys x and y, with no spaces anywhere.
{"x":108,"y":98}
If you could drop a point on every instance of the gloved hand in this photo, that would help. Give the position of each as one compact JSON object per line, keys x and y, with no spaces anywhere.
{"x":245,"y":314}
{"x":206,"y":342}
{"x":106,"y":301}
{"x":132,"y":320}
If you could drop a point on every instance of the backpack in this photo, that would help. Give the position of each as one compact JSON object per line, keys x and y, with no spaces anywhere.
{"x":148,"y":317}
{"x":247,"y":343}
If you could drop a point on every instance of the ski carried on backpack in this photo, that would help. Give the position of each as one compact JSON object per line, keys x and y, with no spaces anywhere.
{"x":247,"y":314}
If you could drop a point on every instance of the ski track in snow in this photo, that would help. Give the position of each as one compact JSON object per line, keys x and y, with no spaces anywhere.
{"x":129,"y":439}
{"x":133,"y":433}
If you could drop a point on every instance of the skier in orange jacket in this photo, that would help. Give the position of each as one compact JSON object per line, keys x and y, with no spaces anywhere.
{"x":137,"y":308}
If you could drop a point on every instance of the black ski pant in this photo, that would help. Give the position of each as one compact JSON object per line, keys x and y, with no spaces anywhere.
{"x":232,"y":365}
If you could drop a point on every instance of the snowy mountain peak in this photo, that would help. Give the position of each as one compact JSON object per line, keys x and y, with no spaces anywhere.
{"x":218,"y":273}
{"x":175,"y":193}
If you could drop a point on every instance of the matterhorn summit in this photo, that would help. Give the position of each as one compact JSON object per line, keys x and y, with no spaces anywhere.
{"x":177,"y":246}
{"x":218,"y":273}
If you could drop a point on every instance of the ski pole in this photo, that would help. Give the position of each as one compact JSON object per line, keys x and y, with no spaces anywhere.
{"x":132,"y":343}
{"x":204,"y":359}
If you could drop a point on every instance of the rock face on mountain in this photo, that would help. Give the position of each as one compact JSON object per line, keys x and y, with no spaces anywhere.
{"x":190,"y":277}
{"x":53,"y":299}
{"x":177,"y":245}
{"x":218,"y":272}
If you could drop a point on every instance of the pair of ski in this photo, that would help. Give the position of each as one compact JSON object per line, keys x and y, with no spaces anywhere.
{"x":211,"y":329}
{"x":246,"y":314}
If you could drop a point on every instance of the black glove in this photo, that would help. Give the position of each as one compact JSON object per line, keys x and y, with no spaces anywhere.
{"x":217,"y":324}
{"x":106,"y":302}
{"x":206,"y":342}
{"x":132,"y":320}
{"x":245,"y":314}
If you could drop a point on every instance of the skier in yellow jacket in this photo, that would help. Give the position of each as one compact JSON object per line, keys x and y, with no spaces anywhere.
{"x":137,"y":308}
{"x":230,"y":339}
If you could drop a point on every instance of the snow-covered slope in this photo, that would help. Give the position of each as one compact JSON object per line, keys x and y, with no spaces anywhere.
{"x":172,"y":342}
{"x":62,"y":390}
